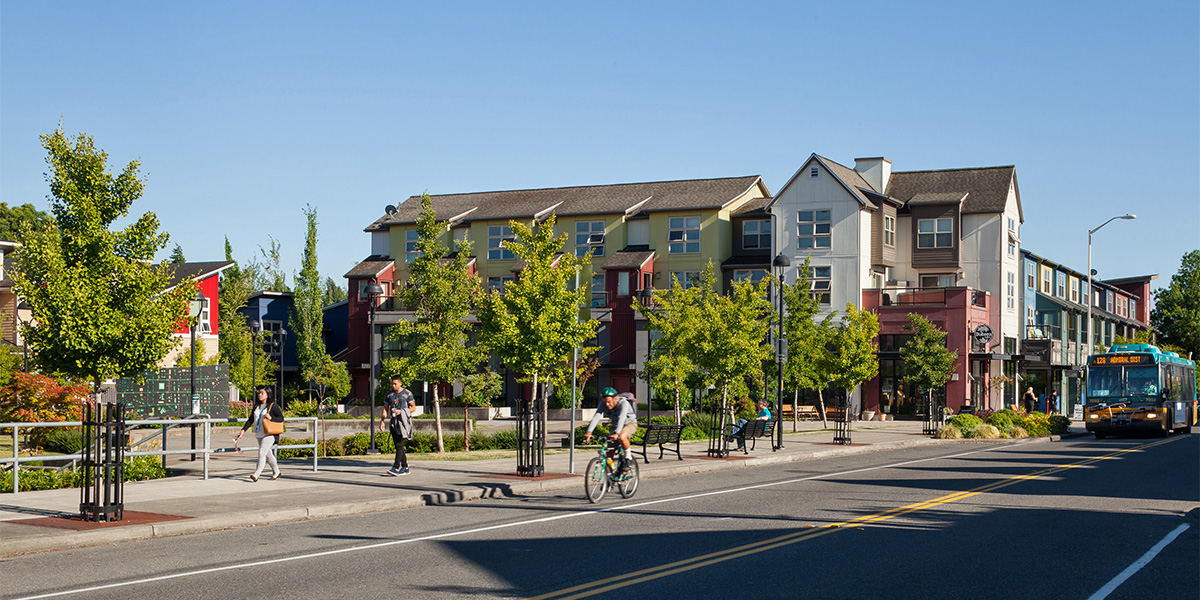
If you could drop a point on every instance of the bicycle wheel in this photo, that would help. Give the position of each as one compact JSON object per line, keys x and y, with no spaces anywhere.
{"x":595,"y":480}
{"x":628,"y":486}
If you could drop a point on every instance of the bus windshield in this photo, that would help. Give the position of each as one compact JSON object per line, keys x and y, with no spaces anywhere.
{"x":1109,"y":383}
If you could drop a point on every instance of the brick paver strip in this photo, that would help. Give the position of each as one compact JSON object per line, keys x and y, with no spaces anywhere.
{"x":75,"y":523}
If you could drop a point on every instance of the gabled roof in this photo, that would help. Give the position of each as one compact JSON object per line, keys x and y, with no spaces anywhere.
{"x":631,"y":257}
{"x":196,"y":270}
{"x":690,"y":194}
{"x":370,"y":267}
{"x":849,"y":178}
{"x":984,"y":189}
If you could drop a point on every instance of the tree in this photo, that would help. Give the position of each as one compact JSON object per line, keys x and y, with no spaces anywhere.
{"x":333,"y":293}
{"x":534,"y":324}
{"x":307,"y":318}
{"x":185,"y":358}
{"x":807,"y":340}
{"x":442,"y":292}
{"x":269,"y":273}
{"x":674,"y":317}
{"x":927,"y":362}
{"x":852,"y":358}
{"x":479,"y":389}
{"x":730,"y":343}
{"x":236,"y":348}
{"x":32,"y":398}
{"x":99,"y":302}
{"x":177,"y":256}
{"x":1177,"y":307}
{"x":330,"y":379}
{"x":13,"y":219}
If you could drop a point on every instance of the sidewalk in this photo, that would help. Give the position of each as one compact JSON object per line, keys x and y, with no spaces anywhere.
{"x":185,"y":503}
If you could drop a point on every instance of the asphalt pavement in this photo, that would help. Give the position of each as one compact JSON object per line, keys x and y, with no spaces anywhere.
{"x":187,"y":503}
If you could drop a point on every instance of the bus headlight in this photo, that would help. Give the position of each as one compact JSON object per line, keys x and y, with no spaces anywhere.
{"x":1151,"y":415}
{"x":1093,"y":416}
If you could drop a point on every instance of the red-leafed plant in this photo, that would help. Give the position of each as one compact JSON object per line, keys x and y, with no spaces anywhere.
{"x":31,"y":398}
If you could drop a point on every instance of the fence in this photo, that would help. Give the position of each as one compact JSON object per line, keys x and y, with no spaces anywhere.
{"x":206,"y":450}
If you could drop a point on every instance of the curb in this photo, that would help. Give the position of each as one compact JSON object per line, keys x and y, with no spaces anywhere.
{"x":45,"y":543}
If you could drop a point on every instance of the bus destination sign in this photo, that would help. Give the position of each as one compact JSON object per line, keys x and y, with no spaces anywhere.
{"x":1123,"y":359}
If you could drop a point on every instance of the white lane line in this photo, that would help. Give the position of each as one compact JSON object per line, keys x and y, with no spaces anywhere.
{"x":489,"y":528}
{"x":1138,"y":564}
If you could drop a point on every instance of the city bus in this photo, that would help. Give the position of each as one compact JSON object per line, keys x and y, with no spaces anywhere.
{"x":1138,"y":388}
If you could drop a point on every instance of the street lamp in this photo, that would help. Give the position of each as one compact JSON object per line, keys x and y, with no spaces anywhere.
{"x":195,"y":307}
{"x":781,"y":263}
{"x":279,"y":338}
{"x":25,"y":307}
{"x":1088,"y":345}
{"x":373,"y":291}
{"x":255,"y":348}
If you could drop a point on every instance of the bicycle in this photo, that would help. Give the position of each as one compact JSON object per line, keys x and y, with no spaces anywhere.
{"x":601,"y":473}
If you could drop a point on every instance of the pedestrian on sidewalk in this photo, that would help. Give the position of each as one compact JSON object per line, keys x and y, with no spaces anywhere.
{"x":399,"y":406}
{"x":265,"y":407}
{"x":1052,"y":403}
{"x":1029,"y":400}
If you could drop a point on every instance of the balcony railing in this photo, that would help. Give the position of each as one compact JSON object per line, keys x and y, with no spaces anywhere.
{"x":599,"y":300}
{"x":1043,"y":332}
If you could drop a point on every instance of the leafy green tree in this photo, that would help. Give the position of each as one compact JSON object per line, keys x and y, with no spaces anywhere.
{"x":442,"y":293}
{"x":852,"y":358}
{"x":674,"y":318}
{"x":13,"y":219}
{"x":330,"y":379}
{"x":332,"y":292}
{"x":185,"y":358}
{"x":235,"y":347}
{"x":98,"y":300}
{"x":534,"y":325}
{"x":730,"y":344}
{"x":927,"y":362}
{"x":479,"y":389}
{"x":307,"y":317}
{"x":269,"y":274}
{"x":1177,"y":307}
{"x":807,"y":339}
{"x":177,"y":256}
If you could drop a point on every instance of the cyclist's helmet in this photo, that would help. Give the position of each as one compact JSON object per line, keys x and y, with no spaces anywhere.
{"x":608,"y":392}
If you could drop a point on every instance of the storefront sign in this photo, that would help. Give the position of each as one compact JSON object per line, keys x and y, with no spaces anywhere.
{"x":983,"y":334}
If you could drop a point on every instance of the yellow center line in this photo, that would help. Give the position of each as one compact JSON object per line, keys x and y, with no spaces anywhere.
{"x":616,"y":582}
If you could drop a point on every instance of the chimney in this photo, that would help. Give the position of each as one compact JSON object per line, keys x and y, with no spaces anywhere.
{"x":876,"y":171}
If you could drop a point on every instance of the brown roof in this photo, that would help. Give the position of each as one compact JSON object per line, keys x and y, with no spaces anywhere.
{"x":938,"y":198}
{"x":627,"y":259}
{"x":372,"y":266}
{"x":756,"y":206}
{"x":986,"y":188}
{"x":849,"y":177}
{"x":582,"y":200}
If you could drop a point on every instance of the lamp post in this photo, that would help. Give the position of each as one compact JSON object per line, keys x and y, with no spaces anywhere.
{"x":781,"y":263}
{"x":1088,"y":345}
{"x":255,"y":329}
{"x":373,"y":291}
{"x":26,"y":307}
{"x":195,"y":307}
{"x":280,"y":340}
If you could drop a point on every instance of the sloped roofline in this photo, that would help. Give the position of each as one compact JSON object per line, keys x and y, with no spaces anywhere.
{"x":853,"y":191}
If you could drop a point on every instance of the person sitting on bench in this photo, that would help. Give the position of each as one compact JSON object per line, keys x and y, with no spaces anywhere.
{"x":764,"y":414}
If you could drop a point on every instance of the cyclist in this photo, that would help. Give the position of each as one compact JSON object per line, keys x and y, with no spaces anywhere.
{"x":623,"y":416}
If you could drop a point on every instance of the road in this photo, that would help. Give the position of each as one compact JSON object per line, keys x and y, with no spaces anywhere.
{"x":1059,"y":520}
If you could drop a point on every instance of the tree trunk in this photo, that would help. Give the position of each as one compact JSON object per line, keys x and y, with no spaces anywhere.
{"x":678,"y":409}
{"x":466,"y":429}
{"x":437,"y":420}
{"x":821,"y":401}
{"x":795,"y":409}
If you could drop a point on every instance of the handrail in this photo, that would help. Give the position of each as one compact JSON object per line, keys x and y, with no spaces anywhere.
{"x":206,"y":450}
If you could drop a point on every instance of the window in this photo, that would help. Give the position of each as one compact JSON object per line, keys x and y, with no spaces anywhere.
{"x":1030,"y":274}
{"x":623,"y":283}
{"x":756,"y":235}
{"x":751,"y":275}
{"x":1108,"y":302}
{"x":1060,"y":285}
{"x":820,"y":282}
{"x":684,"y":235}
{"x":935,"y":233}
{"x":589,"y":235}
{"x":1029,"y":315}
{"x":362,"y":290}
{"x":1133,"y":309}
{"x":936,"y":281}
{"x":599,"y":295}
{"x":814,"y":229}
{"x":204,"y":323}
{"x":1012,"y":224}
{"x":498,"y":283}
{"x":497,"y":235}
{"x":1012,"y":249}
{"x":686,"y":279}
{"x":1011,"y":291}
{"x":889,"y":231}
{"x":272,"y":342}
{"x":1046,"y":279}
{"x":814,"y":172}
{"x":411,"y":237}
{"x":1074,"y":290}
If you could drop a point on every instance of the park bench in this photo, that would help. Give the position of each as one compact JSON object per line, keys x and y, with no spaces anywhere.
{"x":806,"y":412}
{"x":753,"y":430}
{"x":661,"y":436}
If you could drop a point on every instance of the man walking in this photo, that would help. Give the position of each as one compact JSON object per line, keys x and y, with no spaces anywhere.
{"x":399,"y":406}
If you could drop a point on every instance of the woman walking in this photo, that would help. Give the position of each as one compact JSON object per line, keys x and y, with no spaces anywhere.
{"x":264,"y":408}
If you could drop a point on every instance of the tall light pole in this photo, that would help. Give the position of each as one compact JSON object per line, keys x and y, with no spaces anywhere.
{"x":255,"y":348}
{"x":280,"y":338}
{"x":1088,"y":345}
{"x":781,"y":263}
{"x":373,"y":291}
{"x":195,"y":307}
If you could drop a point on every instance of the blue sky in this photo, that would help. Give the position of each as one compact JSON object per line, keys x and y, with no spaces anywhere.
{"x":244,"y":112}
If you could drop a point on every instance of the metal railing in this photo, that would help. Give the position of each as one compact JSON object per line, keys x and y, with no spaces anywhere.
{"x":206,"y":450}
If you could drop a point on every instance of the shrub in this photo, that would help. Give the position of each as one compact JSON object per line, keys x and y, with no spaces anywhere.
{"x":984,"y":432}
{"x":1018,"y":432}
{"x":965,"y":423}
{"x":137,"y":468}
{"x":333,"y":447}
{"x":693,"y":433}
{"x":700,"y":420}
{"x":1059,"y":424}
{"x":600,"y":431}
{"x":948,"y":432}
{"x":1037,"y":424}
{"x":504,"y":439}
{"x":1003,"y":420}
{"x":303,"y":408}
{"x":356,"y":444}
{"x":142,"y":468}
{"x":240,"y":410}
{"x":64,"y":441}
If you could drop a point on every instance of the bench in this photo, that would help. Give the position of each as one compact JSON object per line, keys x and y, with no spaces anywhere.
{"x":753,"y":430}
{"x":658,"y":435}
{"x":806,"y":412}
